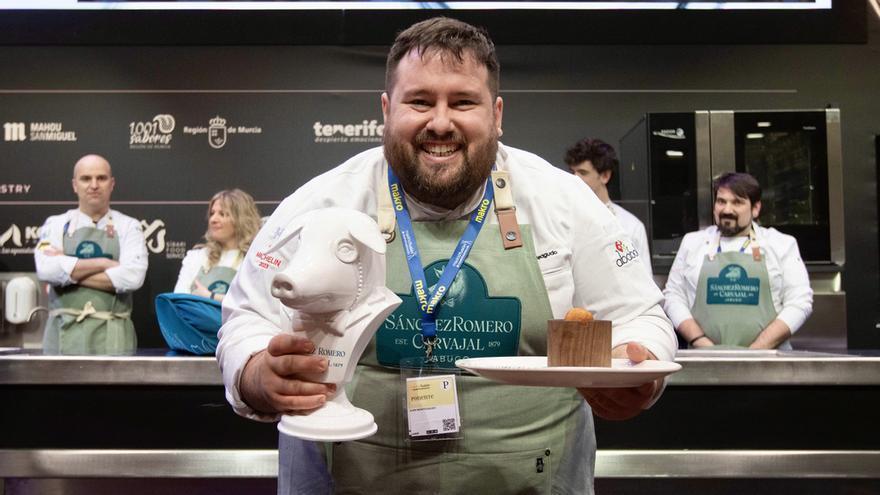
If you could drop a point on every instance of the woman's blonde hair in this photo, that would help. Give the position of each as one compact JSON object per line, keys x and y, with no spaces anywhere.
{"x":245,"y":221}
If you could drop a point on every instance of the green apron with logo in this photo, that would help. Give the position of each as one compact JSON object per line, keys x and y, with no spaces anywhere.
{"x":514,"y":439}
{"x":216,"y":280}
{"x":733,"y":302}
{"x":83,"y":320}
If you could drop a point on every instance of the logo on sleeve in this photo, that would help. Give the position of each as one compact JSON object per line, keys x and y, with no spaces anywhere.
{"x":267,"y":261}
{"x":624,"y":253}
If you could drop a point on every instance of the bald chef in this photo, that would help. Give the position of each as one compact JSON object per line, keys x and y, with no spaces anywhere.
{"x":93,"y":258}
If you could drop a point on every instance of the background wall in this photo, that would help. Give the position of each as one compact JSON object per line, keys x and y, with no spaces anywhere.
{"x":278,"y":98}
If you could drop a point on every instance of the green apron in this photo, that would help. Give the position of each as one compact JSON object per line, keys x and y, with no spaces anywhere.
{"x":733,"y":302}
{"x":83,"y":320}
{"x":514,"y":439}
{"x":216,"y":280}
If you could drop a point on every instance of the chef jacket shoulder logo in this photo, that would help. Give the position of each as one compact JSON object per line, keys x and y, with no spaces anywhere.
{"x":623,"y":252}
{"x":267,"y":261}
{"x":154,"y":134}
{"x":677,"y":133}
{"x":367,"y":131}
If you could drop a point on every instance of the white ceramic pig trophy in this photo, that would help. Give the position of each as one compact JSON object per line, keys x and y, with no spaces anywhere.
{"x":335,"y":282}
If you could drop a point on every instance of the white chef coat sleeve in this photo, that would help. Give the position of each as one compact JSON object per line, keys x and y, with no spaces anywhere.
{"x":189,"y":270}
{"x":623,"y":294}
{"x":129,"y":275}
{"x":796,"y":296}
{"x":680,"y":290}
{"x":251,"y":316}
{"x":641,"y":242}
{"x":55,"y":270}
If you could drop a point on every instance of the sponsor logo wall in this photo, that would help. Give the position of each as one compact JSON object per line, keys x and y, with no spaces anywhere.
{"x":170,"y":154}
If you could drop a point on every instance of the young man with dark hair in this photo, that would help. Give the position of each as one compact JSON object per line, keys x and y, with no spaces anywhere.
{"x":595,"y":162}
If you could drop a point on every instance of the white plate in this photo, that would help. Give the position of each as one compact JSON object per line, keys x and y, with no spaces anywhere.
{"x":533,"y":370}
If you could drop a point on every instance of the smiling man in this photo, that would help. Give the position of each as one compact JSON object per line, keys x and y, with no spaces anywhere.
{"x":503,"y":241}
{"x":93,"y":259}
{"x":736,"y":283}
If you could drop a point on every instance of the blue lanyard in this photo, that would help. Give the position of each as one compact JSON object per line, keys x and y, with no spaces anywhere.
{"x":428,"y":302}
{"x":745,"y":244}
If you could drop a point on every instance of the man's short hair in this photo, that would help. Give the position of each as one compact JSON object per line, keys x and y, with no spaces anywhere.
{"x":448,"y":37}
{"x":741,"y":184}
{"x":598,"y":152}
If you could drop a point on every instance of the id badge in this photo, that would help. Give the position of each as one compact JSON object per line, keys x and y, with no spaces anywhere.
{"x":431,"y":403}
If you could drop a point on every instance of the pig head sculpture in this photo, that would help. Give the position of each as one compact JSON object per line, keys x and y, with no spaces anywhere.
{"x":334,"y":279}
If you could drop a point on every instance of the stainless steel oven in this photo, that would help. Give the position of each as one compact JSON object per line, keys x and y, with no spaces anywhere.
{"x":668,"y":161}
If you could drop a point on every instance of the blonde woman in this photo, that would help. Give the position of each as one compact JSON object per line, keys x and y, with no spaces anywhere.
{"x":190,"y":317}
{"x":208,"y":269}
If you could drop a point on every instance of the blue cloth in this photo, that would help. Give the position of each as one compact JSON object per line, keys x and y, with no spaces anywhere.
{"x":188,"y":322}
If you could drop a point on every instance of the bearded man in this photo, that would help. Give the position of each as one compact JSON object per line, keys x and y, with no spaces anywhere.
{"x":533,"y":246}
{"x":737,"y":284}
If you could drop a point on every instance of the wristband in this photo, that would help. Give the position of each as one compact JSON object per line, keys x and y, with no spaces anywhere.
{"x":691,"y":342}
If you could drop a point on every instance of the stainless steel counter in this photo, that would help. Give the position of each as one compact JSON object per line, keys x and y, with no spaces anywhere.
{"x":699,"y":368}
{"x":707,"y":369}
{"x":763,"y":464}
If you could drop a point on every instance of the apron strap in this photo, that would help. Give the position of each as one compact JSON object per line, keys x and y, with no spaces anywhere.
{"x":89,"y":311}
{"x":505,"y":210}
{"x":385,"y":216}
{"x":511,"y":237}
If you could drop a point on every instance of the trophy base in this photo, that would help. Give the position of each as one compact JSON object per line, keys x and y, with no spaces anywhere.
{"x":336,"y":421}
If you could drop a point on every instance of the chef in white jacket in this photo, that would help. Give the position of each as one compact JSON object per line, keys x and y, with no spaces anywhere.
{"x":738,"y":284}
{"x":595,"y":162}
{"x":93,"y":258}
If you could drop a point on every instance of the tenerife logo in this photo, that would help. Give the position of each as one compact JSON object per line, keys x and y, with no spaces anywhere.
{"x":368,"y":131}
{"x":39,"y":131}
{"x":624,"y":253}
{"x":13,"y":242}
{"x":677,"y":133}
{"x":218,"y":131}
{"x":154,"y":235}
{"x":152,"y":135}
{"x":733,"y":286}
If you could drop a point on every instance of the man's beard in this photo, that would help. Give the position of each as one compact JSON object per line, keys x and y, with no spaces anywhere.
{"x":435,"y":186}
{"x":731,"y":230}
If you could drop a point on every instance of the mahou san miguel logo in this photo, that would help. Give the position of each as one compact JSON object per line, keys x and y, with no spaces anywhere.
{"x":624,"y":252}
{"x":53,"y":132}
